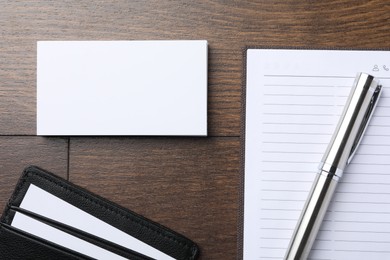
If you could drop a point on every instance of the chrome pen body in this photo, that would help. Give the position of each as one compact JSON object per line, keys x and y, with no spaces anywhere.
{"x":345,"y":140}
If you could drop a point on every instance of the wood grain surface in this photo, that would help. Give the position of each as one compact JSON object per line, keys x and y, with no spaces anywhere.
{"x":17,"y":152}
{"x":189,"y":184}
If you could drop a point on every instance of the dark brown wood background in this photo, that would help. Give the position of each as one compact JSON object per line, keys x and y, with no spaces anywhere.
{"x":191,"y":185}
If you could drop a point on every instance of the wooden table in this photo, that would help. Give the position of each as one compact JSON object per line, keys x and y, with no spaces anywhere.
{"x":189,"y":184}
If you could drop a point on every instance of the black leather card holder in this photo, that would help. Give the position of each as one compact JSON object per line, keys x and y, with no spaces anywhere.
{"x":18,"y":244}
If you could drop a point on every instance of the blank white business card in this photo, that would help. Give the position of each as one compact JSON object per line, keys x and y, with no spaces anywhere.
{"x":147,"y":88}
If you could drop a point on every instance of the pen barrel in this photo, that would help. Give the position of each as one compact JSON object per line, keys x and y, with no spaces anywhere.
{"x":312,"y":215}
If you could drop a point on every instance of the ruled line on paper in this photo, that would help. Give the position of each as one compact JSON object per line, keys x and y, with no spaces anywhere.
{"x":364,"y":193}
{"x":305,"y":86}
{"x":303,"y":105}
{"x":281,"y":152}
{"x":364,"y":222}
{"x":362,"y":231}
{"x":307,"y":76}
{"x":298,"y":95}
{"x":283,"y":123}
{"x":362,"y":251}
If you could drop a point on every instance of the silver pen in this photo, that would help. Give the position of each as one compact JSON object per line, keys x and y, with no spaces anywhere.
{"x":345,"y":140}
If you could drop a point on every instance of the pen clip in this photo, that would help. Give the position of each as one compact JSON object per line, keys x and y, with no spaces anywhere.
{"x":365,"y":122}
{"x":352,"y":124}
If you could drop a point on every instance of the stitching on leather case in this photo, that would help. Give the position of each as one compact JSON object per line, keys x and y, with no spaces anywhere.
{"x":97,"y":202}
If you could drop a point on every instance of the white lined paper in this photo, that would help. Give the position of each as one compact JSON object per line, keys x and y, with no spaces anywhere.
{"x":294,"y":100}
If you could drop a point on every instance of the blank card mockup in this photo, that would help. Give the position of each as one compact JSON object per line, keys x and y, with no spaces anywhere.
{"x":122,"y":88}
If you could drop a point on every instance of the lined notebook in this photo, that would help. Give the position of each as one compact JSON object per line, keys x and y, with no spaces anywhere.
{"x":293,"y":102}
